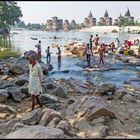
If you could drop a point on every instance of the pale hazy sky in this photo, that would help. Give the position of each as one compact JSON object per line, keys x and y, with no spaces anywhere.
{"x":40,"y":11}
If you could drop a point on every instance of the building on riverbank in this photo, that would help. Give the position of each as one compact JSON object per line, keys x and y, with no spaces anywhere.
{"x":90,"y":20}
{"x":126,"y":19}
{"x":54,"y":24}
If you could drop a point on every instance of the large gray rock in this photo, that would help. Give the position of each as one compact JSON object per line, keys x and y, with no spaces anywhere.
{"x":15,"y":92}
{"x":3,"y":95}
{"x":16,"y":69}
{"x":48,"y":115}
{"x":105,"y":87}
{"x":7,"y":108}
{"x":78,"y":86}
{"x":6,"y":85}
{"x":93,"y":108}
{"x":48,"y":84}
{"x":60,"y":91}
{"x":129,"y":98}
{"x":21,"y":80}
{"x":8,"y":126}
{"x":37,"y":132}
{"x":119,"y":93}
{"x":53,"y":123}
{"x":46,"y":98}
{"x":46,"y":68}
{"x":32,"y":117}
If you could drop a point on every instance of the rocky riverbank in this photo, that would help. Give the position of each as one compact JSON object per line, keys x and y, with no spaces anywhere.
{"x":71,"y":108}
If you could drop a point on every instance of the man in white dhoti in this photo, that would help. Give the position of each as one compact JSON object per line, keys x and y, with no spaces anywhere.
{"x":35,"y":80}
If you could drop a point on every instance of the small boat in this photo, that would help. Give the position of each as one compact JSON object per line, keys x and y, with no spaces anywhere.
{"x":34,"y":38}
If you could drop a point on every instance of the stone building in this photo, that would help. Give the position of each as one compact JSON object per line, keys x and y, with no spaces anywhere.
{"x":106,"y":20}
{"x":127,"y":18}
{"x":54,"y":24}
{"x":73,"y":25}
{"x":66,"y":25}
{"x":89,"y":21}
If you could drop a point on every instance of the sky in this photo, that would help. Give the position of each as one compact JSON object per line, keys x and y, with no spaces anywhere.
{"x":41,"y":11}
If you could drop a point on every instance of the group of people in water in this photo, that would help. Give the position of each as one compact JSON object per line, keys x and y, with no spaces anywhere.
{"x":48,"y":53}
{"x":95,"y":46}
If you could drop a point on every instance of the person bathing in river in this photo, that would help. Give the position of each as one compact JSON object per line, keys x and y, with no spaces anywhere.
{"x":59,"y":54}
{"x":101,"y":55}
{"x":38,"y":46}
{"x":48,"y":54}
{"x":88,"y":53}
{"x":90,"y":41}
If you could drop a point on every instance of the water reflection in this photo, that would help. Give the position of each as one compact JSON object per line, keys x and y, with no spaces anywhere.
{"x":59,"y":64}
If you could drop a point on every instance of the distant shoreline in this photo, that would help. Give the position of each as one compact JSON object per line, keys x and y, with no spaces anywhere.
{"x":109,"y":29}
{"x":98,"y":29}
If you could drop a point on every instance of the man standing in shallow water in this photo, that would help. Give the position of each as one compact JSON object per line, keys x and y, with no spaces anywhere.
{"x":101,"y":55}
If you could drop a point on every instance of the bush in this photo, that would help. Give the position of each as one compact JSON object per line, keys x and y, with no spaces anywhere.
{"x":114,"y":31}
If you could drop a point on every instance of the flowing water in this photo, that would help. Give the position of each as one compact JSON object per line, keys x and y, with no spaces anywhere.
{"x":67,"y":68}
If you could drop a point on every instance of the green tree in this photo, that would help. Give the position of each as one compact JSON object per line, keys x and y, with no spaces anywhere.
{"x":10,"y":13}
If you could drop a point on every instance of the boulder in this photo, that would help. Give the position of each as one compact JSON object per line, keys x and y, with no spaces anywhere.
{"x":16,"y":69}
{"x":15,"y":92}
{"x":37,"y":132}
{"x":21,"y":80}
{"x":48,"y":84}
{"x":33,"y":117}
{"x":60,"y":91}
{"x":93,"y":108}
{"x":46,"y":98}
{"x":48,"y":115}
{"x":105,"y":87}
{"x":119,"y":93}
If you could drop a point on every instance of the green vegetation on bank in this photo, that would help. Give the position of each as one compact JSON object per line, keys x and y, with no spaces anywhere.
{"x":8,"y":53}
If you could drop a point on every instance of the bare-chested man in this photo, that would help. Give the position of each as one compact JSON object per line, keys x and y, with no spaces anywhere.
{"x":96,"y":41}
{"x":101,"y":55}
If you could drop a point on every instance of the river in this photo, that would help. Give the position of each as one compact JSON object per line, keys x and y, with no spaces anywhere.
{"x":22,"y":42}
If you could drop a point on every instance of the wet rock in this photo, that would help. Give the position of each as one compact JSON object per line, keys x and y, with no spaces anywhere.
{"x":32,"y":117}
